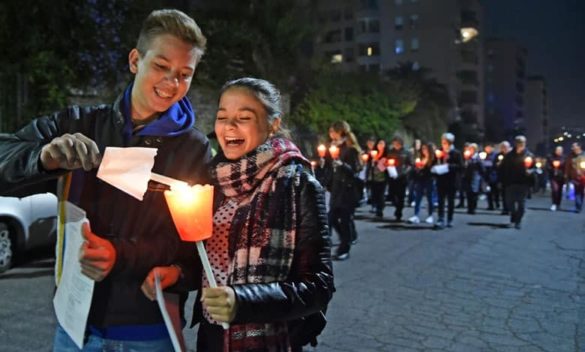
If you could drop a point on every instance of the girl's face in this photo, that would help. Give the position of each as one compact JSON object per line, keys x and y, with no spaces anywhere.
{"x":381,"y":145}
{"x":334,"y":135}
{"x":241,"y":124}
{"x":425,"y":150}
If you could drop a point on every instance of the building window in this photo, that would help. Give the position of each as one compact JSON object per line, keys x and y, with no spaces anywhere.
{"x":349,"y":54}
{"x":368,"y":4}
{"x":399,"y":46}
{"x":368,"y":25}
{"x":415,"y":66}
{"x":336,"y":58}
{"x":414,"y":45}
{"x":363,"y":68}
{"x":348,"y":34}
{"x":413,"y":21}
{"x":335,"y":15}
{"x":398,"y":22}
{"x":370,"y":49}
{"x":333,"y":36}
{"x":348,"y":13}
{"x":374,"y":68}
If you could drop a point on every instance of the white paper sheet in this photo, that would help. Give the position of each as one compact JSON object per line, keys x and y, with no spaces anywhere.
{"x":440,"y":169}
{"x":73,"y":297}
{"x":392,"y":171}
{"x":168,"y":303}
{"x":128,"y":169}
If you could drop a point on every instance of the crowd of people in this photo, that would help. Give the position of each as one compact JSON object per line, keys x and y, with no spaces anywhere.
{"x":504,"y":174}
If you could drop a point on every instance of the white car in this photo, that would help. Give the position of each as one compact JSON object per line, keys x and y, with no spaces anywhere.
{"x":25,"y":223}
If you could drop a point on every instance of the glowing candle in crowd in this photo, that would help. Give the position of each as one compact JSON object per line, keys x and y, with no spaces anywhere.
{"x":419,"y":163}
{"x":365,"y":157}
{"x":582,"y":164}
{"x":321,"y":149}
{"x":374,"y":154}
{"x":528,"y":161}
{"x":391,"y":162}
{"x":313,"y":165}
{"x":556,"y":164}
{"x":500,"y":157}
{"x":467,"y":153}
{"x":439,"y":154}
{"x":334,"y":152}
{"x":483,"y":155}
{"x":538,"y":164}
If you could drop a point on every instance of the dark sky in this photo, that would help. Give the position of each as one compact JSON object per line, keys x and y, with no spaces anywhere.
{"x":553,"y":32}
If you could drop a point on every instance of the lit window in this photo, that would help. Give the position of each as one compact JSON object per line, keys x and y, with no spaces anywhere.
{"x":414,"y":45}
{"x":336,"y":58}
{"x":398,"y":22}
{"x":399,"y":46}
{"x":370,"y":51}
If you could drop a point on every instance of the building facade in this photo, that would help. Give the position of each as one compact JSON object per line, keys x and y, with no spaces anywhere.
{"x":505,"y":78}
{"x":536,"y":114}
{"x":379,"y":35}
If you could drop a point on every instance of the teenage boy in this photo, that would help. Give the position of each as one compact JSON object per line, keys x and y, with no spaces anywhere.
{"x":127,"y":237}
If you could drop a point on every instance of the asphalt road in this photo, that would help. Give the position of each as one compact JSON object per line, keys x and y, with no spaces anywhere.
{"x":475,"y":287}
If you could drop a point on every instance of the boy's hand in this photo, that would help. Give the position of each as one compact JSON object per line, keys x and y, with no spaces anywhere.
{"x":168,"y":275}
{"x":220,"y":303}
{"x":97,"y":255}
{"x":70,"y":152}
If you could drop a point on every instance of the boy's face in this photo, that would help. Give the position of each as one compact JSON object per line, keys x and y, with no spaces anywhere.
{"x":162,"y":75}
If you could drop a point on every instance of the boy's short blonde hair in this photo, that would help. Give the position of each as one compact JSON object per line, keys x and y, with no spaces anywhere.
{"x":174,"y":22}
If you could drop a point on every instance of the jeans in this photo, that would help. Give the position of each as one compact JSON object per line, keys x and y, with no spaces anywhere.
{"x":422,"y":188}
{"x":63,"y":343}
{"x":579,"y":190}
{"x":446,"y":193}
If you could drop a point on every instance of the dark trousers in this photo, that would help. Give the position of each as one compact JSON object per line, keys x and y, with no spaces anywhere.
{"x":493,"y":196}
{"x":397,"y":191}
{"x":472,"y":201}
{"x":515,"y":199}
{"x":341,"y":220}
{"x":378,"y":199}
{"x":422,"y":188}
{"x":556,"y":187}
{"x":579,"y":190}
{"x":446,"y":192}
{"x":504,"y":202}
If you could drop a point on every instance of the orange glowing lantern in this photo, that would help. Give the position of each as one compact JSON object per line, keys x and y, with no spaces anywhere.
{"x":528,"y":162}
{"x":191,"y":209}
{"x":556,"y":164}
{"x":391,"y":162}
{"x":321,"y":149}
{"x":334,"y":152}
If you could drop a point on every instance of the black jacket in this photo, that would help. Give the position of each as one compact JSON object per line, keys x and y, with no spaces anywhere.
{"x":513,"y":170}
{"x":455,"y":161}
{"x":141,"y":231}
{"x":341,"y":180}
{"x":309,"y":286}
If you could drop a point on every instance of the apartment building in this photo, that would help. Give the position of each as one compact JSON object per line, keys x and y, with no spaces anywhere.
{"x":536,"y":114}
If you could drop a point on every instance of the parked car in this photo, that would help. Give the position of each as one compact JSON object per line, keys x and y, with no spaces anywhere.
{"x":27,"y":221}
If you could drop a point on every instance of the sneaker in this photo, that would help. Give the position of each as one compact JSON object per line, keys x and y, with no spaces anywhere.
{"x":517,"y":226}
{"x":412,"y":204}
{"x":553,"y":207}
{"x":449,"y":224}
{"x":440,"y":224}
{"x":414,"y":220}
{"x":341,"y":257}
{"x":430,"y":220}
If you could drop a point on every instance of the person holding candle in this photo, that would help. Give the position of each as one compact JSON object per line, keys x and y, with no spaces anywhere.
{"x":270,"y":249}
{"x":399,"y":158}
{"x":343,"y":186}
{"x":575,"y":171}
{"x":447,"y":182}
{"x":127,"y":237}
{"x":378,"y":178}
{"x":505,"y":148}
{"x":423,"y":182}
{"x":517,"y":168}
{"x":493,"y":190}
{"x":473,"y":176}
{"x":555,"y":166}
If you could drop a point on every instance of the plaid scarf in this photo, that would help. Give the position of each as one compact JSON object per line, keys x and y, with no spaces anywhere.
{"x":261,"y":232}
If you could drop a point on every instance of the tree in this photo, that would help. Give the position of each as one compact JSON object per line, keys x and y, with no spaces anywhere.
{"x":372,"y":106}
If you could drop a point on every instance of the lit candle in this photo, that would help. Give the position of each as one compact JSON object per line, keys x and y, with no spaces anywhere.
{"x":483,"y":155}
{"x":500,"y":157}
{"x":313,"y":165}
{"x":538,"y":164}
{"x":321,"y":149}
{"x":365,"y":157}
{"x":528,"y":161}
{"x":334,"y":152}
{"x":467,"y":153}
{"x":374,"y":154}
{"x":582,"y":165}
{"x":192,"y":211}
{"x":556,"y":164}
{"x":391,"y":162}
{"x":419,"y":163}
{"x":439,"y":154}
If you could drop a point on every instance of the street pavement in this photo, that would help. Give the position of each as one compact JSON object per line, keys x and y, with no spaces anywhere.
{"x":476,"y":287}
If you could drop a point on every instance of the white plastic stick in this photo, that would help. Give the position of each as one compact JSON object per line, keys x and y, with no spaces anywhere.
{"x":208,"y":271}
{"x":169,"y":181}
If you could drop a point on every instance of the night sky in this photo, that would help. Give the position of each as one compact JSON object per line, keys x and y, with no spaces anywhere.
{"x":553,"y":32}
